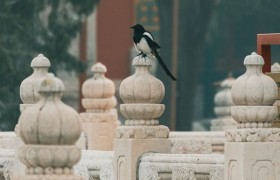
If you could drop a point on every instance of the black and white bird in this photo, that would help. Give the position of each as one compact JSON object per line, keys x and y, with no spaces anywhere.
{"x":144,"y":44}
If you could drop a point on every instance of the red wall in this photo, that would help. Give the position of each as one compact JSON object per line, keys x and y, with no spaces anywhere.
{"x":114,"y":36}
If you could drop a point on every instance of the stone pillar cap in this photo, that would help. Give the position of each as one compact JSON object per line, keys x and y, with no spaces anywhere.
{"x":254,"y":59}
{"x":99,"y":67}
{"x":40,"y":61}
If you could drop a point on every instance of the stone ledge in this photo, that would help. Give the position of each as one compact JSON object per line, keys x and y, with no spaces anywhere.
{"x":142,"y":132}
{"x":254,"y":135}
{"x":181,"y":140}
{"x":181,"y":166}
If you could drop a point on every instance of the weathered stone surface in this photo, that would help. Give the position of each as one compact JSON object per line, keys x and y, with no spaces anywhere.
{"x":29,"y":86}
{"x":141,"y":93}
{"x":100,"y":120}
{"x":49,"y":130}
{"x":181,"y":166}
{"x":251,"y":151}
{"x":197,"y":142}
{"x":251,"y":161}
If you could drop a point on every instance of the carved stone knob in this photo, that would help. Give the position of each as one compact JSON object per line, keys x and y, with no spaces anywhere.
{"x":254,"y":87}
{"x":142,"y":87}
{"x":253,"y":94}
{"x":98,"y":91}
{"x":142,"y":93}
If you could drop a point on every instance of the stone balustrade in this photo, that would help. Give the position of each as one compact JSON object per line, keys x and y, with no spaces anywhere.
{"x":142,"y":132}
{"x":181,"y":166}
{"x":9,"y":140}
{"x":100,"y":120}
{"x":252,"y":150}
{"x":6,"y":165}
{"x":99,"y":165}
{"x":197,"y":142}
{"x":144,"y":149}
{"x":96,"y":165}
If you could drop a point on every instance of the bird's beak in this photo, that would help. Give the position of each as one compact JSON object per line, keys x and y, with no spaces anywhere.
{"x":132,"y":27}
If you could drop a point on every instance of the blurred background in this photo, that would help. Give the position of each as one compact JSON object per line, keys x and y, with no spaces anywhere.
{"x":201,"y":42}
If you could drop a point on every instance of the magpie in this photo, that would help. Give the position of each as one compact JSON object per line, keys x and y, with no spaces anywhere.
{"x":144,"y":44}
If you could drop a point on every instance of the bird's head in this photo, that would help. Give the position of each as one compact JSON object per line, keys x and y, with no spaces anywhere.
{"x":138,"y":28}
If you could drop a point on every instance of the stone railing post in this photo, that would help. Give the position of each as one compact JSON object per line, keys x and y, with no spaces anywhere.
{"x":223,"y":103}
{"x":275,"y":75}
{"x":49,"y":130}
{"x":141,"y":94}
{"x":100,"y":120}
{"x":252,"y":150}
{"x":29,"y":94}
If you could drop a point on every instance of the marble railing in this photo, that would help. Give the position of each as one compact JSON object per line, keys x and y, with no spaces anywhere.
{"x":96,"y":165}
{"x":193,"y":154}
{"x":181,"y":166}
{"x":93,"y":165}
{"x":9,"y":140}
{"x":6,"y":165}
{"x":202,"y":142}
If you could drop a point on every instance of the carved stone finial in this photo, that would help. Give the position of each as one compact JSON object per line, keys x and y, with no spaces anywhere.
{"x":49,"y":130}
{"x":275,"y":75}
{"x":254,"y":87}
{"x":98,"y":91}
{"x":100,"y":119}
{"x":99,"y":68}
{"x":223,"y":103}
{"x":141,"y":94}
{"x":275,"y":67}
{"x":253,"y":94}
{"x":142,"y":87}
{"x":29,"y":87}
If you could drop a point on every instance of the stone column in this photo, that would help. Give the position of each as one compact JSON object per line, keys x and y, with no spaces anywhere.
{"x":141,"y":94}
{"x":49,"y":130}
{"x":100,"y":120}
{"x":223,"y":103}
{"x":275,"y":75}
{"x":253,"y":150}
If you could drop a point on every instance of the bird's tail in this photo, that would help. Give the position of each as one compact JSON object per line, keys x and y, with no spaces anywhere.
{"x":155,"y":53}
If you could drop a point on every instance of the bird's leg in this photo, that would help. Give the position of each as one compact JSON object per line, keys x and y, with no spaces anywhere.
{"x":144,"y":55}
{"x":141,"y":53}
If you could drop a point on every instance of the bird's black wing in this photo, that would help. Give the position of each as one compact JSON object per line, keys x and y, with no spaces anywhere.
{"x":156,"y":44}
{"x":153,"y":46}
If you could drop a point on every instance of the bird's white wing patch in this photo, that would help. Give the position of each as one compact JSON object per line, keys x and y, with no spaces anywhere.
{"x":144,"y":46}
{"x":149,"y":35}
{"x":136,"y":48}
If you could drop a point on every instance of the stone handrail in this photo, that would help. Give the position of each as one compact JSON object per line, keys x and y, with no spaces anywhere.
{"x":181,"y":166}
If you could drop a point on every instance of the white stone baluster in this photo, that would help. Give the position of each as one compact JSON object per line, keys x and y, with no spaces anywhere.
{"x":100,"y":120}
{"x":49,"y":130}
{"x":141,"y":94}
{"x":223,"y":103}
{"x":252,"y":151}
{"x":275,"y":75}
{"x":29,"y":96}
